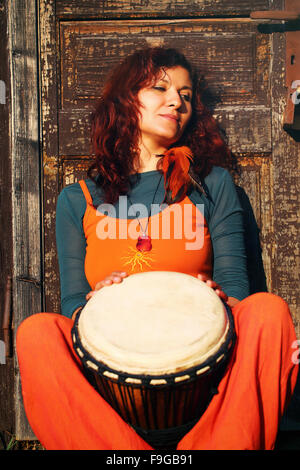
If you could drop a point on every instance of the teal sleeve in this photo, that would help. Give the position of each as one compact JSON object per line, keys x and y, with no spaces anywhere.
{"x":226,"y":228}
{"x":71,"y":248}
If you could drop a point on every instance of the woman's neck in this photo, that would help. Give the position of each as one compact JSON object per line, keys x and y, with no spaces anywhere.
{"x":148,"y":166}
{"x":149,"y":156}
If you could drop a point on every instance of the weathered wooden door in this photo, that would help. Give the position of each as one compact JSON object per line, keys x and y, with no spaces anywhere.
{"x":244,"y":65}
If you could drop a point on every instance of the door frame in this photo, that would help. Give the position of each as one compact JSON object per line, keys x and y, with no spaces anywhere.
{"x":31,"y":25}
{"x":26,"y":174}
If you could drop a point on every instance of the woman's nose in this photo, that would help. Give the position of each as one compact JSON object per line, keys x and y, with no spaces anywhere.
{"x":174,"y":99}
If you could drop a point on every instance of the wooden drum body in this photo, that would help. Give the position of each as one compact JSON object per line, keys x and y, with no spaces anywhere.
{"x":155,"y":347}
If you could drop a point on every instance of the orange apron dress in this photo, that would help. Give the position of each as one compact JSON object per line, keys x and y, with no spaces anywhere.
{"x":171,"y":231}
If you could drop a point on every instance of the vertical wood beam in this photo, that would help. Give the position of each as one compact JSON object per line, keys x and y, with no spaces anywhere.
{"x":25,"y":187}
{"x":7,"y":418}
{"x":285,"y":182}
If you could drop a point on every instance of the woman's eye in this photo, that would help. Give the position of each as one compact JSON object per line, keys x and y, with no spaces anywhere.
{"x":159,"y":88}
{"x":187,"y":98}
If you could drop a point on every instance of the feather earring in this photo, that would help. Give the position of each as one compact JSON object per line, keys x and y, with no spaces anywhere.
{"x":179,"y":174}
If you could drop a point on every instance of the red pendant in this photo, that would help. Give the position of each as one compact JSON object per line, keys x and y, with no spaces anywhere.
{"x":144,"y":243}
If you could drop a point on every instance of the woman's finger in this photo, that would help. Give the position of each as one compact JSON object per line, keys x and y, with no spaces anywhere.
{"x":213,"y":284}
{"x":114,"y":277}
{"x":222,"y":295}
{"x":209,"y":282}
{"x":90,"y":294}
{"x":120,"y":273}
{"x":202,"y":277}
{"x":217,"y":288}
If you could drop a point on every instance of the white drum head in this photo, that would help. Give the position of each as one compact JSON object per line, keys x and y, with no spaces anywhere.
{"x":153,"y":323}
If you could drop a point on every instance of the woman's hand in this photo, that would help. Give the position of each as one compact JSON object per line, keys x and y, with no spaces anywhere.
{"x":213,"y":285}
{"x":231,"y":301}
{"x":114,"y":277}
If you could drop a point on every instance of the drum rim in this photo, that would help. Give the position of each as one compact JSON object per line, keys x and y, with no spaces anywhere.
{"x":156,"y":380}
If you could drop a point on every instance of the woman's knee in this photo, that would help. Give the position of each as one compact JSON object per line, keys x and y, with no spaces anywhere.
{"x":266,"y":307}
{"x":33,"y":329}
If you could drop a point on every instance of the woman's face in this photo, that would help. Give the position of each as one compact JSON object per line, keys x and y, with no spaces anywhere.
{"x":166,"y":107}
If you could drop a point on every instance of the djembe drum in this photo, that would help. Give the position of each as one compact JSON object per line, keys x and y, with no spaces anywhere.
{"x":155,"y":347}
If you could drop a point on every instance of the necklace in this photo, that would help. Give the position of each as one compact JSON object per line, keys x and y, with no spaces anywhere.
{"x":144,"y":241}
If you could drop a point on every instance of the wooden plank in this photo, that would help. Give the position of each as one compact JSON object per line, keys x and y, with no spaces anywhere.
{"x":50,"y":161}
{"x":7,"y":415}
{"x":247,"y":129}
{"x":255,"y":192}
{"x":238,"y":84}
{"x":7,"y":418}
{"x":285,"y":179}
{"x":89,"y":50}
{"x":166,"y":8}
{"x":27,"y":277}
{"x":74,"y":170}
{"x":285,"y":161}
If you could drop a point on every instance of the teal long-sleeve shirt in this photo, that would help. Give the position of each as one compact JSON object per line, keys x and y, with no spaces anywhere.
{"x":222,"y":211}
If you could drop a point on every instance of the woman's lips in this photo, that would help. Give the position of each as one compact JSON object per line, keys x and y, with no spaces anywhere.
{"x":170,"y":117}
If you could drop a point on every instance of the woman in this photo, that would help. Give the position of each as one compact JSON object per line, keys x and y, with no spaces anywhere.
{"x":155,"y":142}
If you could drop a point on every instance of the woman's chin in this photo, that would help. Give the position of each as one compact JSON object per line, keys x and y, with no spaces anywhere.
{"x":168,"y":140}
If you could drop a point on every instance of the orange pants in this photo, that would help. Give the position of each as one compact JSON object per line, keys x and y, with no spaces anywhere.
{"x":66,"y":413}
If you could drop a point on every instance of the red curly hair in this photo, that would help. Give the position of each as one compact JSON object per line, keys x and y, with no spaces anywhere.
{"x":115,"y":122}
